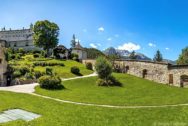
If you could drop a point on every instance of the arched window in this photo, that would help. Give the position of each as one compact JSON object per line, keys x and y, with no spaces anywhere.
{"x":183,"y":80}
{"x":144,"y":73}
{"x":126,"y":69}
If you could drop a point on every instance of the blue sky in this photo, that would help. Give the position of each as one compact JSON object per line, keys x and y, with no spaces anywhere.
{"x":142,"y":25}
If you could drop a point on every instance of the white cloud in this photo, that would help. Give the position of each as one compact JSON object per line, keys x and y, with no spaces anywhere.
{"x":167,"y":48}
{"x":93,"y":45}
{"x":100,"y":29}
{"x":129,"y":46}
{"x":151,"y":44}
{"x":116,"y":35}
{"x":109,"y":39}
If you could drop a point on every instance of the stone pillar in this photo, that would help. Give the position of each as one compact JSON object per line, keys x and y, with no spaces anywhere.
{"x":3,"y":66}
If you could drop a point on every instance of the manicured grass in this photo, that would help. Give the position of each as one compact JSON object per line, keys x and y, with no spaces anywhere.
{"x":63,"y":114}
{"x":135,"y":91}
{"x":62,"y":71}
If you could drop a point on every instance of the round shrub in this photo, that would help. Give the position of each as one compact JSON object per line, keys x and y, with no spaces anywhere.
{"x":13,"y":56}
{"x":101,"y":82}
{"x":103,"y":68}
{"x":89,"y":66}
{"x":24,"y":70}
{"x":74,"y":56}
{"x":49,"y":71}
{"x":29,"y":75}
{"x":36,"y":55}
{"x":75,"y":70}
{"x":38,"y":74}
{"x":50,"y":82}
{"x":16,"y":74}
{"x":18,"y":56}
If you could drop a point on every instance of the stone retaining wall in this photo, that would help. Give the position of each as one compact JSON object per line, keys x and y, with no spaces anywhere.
{"x":155,"y":71}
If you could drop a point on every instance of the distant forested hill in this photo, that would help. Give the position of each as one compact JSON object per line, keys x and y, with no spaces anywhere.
{"x":93,"y":53}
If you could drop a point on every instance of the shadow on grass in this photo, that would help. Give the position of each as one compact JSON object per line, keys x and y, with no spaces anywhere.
{"x":78,"y":74}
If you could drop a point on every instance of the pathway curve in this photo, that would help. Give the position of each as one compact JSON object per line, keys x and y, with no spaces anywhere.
{"x":30,"y":89}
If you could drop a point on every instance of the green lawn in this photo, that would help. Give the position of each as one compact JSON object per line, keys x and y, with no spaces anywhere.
{"x":62,"y":71}
{"x":63,"y":114}
{"x":135,"y":91}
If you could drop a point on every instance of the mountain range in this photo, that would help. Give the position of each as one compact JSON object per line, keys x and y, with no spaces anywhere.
{"x":124,"y":54}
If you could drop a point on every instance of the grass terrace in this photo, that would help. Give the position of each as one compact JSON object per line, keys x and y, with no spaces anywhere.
{"x":62,"y":71}
{"x":135,"y":91}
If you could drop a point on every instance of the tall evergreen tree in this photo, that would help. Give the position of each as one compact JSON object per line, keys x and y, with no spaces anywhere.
{"x":132,"y":55}
{"x":73,"y":41}
{"x":158,"y":56}
{"x":183,"y":57}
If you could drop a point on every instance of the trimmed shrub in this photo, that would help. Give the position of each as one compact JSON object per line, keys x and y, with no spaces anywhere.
{"x":103,"y":68}
{"x":50,"y":82}
{"x":29,"y":75}
{"x":18,"y":56}
{"x":75,"y":70}
{"x":21,"y":50}
{"x":111,"y":81}
{"x":13,"y":56}
{"x":16,"y":74}
{"x":43,"y":63}
{"x":74,"y":56}
{"x":24,"y":70}
{"x":89,"y":66}
{"x":49,"y":71}
{"x":38,"y":74}
{"x":36,"y":55}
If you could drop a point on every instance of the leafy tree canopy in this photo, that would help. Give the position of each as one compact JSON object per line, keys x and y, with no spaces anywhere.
{"x":183,"y":57}
{"x":45,"y":35}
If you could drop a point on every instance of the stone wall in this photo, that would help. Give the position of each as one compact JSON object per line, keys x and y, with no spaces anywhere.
{"x":149,"y":70}
{"x":159,"y":72}
{"x":3,"y":66}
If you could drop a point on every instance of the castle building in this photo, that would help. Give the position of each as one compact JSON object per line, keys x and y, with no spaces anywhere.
{"x":21,"y":38}
{"x":80,"y":51}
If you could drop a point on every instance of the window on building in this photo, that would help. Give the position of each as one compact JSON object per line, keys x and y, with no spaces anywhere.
{"x":27,"y":44}
{"x":15,"y":44}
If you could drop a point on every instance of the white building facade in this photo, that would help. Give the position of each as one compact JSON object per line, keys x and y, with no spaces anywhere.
{"x":22,"y":38}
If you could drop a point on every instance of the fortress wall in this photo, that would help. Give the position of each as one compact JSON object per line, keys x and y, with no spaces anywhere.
{"x":157,"y":72}
{"x":149,"y":70}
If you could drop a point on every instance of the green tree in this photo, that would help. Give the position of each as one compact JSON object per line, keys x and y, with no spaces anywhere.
{"x":45,"y":35}
{"x":103,"y":68}
{"x":183,"y":57}
{"x":59,"y":50}
{"x":73,"y":41}
{"x":158,"y":56}
{"x":132,"y":55}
